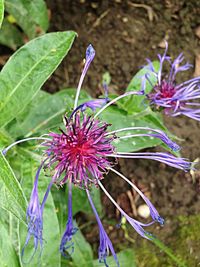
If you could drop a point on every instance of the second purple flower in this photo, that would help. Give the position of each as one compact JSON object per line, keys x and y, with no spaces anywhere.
{"x":175,"y":99}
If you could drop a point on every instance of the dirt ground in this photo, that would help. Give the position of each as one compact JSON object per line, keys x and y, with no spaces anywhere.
{"x":124,"y":33}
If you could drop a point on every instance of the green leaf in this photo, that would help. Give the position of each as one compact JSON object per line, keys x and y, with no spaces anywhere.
{"x":13,"y":229}
{"x":45,"y":113}
{"x":10,"y":36}
{"x":82,"y":255}
{"x":126,"y":259}
{"x":1,"y":11}
{"x":135,"y":83}
{"x":119,"y":119}
{"x":5,"y":139}
{"x":8,"y":256}
{"x":80,"y":201}
{"x":134,"y":104}
{"x":51,"y":232}
{"x":27,"y":70}
{"x":31,"y":16}
{"x":11,"y":195}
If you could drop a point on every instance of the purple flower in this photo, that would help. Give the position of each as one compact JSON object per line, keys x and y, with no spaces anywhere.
{"x":175,"y":99}
{"x":66,"y":241}
{"x":93,"y":104}
{"x":167,"y":158}
{"x":79,"y":155}
{"x":34,"y":217}
{"x":34,"y":214}
{"x":89,"y":56}
{"x":105,"y":243}
{"x":151,"y":133}
{"x":80,"y":151}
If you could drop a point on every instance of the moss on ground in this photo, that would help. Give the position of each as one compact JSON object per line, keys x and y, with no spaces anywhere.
{"x":184,"y":244}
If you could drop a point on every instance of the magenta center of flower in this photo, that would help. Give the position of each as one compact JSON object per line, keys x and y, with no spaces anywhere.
{"x":80,"y":151}
{"x":77,"y":146}
{"x":165,"y":90}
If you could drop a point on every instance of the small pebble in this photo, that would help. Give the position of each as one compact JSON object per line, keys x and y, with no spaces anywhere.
{"x":143,"y":211}
{"x":125,"y":20}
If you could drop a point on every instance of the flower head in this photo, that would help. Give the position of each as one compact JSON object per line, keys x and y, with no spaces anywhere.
{"x":175,"y":99}
{"x":79,"y":152}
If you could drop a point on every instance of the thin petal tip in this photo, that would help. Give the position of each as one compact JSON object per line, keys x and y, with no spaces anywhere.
{"x":4,"y":151}
{"x":160,"y":220}
{"x":90,"y":52}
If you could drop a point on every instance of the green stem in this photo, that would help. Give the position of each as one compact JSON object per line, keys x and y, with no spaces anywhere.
{"x":168,"y":251}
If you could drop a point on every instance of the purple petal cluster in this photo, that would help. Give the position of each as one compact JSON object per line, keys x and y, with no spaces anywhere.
{"x":175,"y":99}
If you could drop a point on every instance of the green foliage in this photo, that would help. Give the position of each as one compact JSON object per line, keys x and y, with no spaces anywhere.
{"x":119,"y":119}
{"x":10,"y":35}
{"x":187,"y":242}
{"x":5,"y":139}
{"x":83,"y":255}
{"x":11,"y":195}
{"x":8,"y":255}
{"x":1,"y":11}
{"x":81,"y":203}
{"x":31,"y":17}
{"x":135,"y":104}
{"x":169,"y":252}
{"x":44,"y":113}
{"x":183,"y":250}
{"x":126,"y":259}
{"x":19,"y":86}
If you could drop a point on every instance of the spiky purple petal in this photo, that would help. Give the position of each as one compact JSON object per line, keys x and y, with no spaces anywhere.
{"x":105,"y":243}
{"x":154,"y":213}
{"x":34,"y":217}
{"x":138,"y":226}
{"x":66,"y":241}
{"x":90,"y":54}
{"x":169,"y":159}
